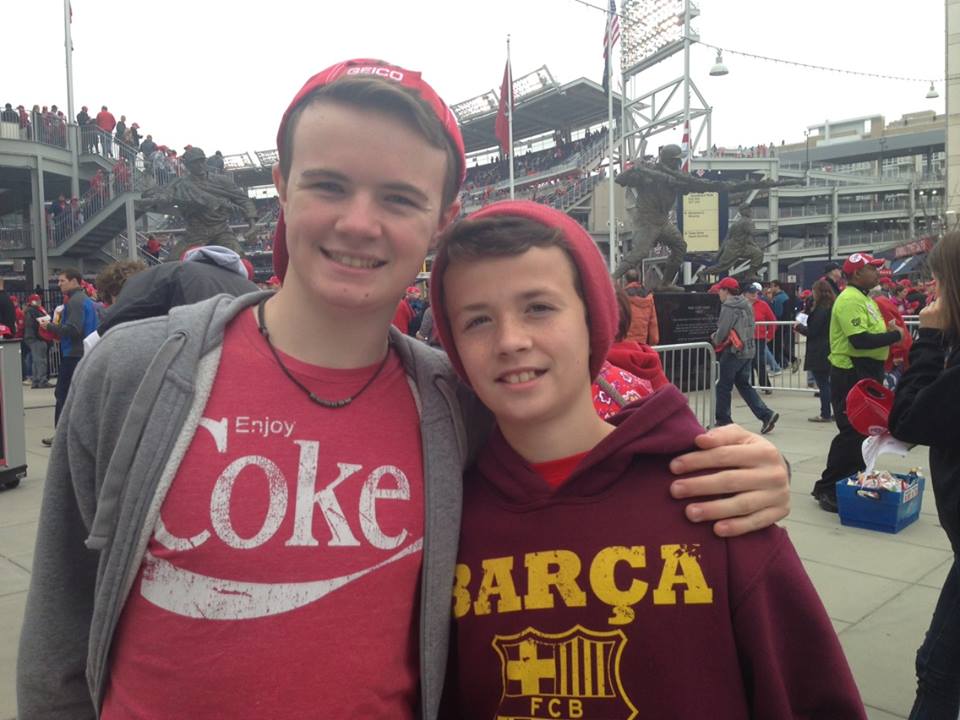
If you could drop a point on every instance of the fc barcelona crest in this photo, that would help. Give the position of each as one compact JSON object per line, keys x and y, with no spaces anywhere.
{"x":569,"y":676}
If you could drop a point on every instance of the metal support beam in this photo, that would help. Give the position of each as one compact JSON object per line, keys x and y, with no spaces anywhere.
{"x":131,"y":230}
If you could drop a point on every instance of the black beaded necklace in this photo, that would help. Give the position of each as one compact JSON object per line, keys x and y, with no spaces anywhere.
{"x":331,"y":404}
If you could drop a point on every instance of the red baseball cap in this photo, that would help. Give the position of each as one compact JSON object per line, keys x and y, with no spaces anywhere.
{"x":887,"y":282}
{"x":374,"y":68}
{"x":905,"y":282}
{"x":860,"y":260}
{"x":728,"y":283}
{"x":868,"y":407}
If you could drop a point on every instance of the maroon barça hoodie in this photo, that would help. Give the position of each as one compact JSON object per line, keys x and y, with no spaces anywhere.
{"x":601,"y":600}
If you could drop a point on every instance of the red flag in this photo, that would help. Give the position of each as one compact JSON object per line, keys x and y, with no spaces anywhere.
{"x":501,"y":128}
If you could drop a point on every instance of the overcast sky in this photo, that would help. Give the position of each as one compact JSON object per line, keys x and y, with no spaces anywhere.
{"x":219,"y":74}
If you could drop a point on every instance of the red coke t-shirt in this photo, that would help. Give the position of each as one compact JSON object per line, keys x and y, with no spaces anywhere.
{"x":281,"y":578}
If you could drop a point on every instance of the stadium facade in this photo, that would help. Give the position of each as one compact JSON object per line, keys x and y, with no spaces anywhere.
{"x":863,"y":183}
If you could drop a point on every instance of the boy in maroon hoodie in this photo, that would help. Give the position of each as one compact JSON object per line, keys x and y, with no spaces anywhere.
{"x":581,"y":590}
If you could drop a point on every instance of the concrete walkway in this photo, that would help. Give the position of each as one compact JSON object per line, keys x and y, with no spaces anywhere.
{"x":879,"y":589}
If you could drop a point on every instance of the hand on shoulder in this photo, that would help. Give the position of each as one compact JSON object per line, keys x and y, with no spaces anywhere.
{"x":738,"y":463}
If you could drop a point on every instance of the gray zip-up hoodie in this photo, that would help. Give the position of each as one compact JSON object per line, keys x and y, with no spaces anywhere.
{"x":136,"y":401}
{"x":736,"y":313}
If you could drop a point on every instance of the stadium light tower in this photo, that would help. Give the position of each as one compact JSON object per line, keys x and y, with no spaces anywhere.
{"x":652,"y":32}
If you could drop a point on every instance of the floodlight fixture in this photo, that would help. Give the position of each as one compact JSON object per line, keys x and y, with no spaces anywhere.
{"x":719,"y":68}
{"x":932,"y":93}
{"x":474,"y":107}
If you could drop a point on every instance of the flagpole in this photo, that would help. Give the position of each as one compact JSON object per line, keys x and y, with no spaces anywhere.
{"x":68,"y":43}
{"x":510,"y":115}
{"x":612,"y":185}
{"x":74,"y":135}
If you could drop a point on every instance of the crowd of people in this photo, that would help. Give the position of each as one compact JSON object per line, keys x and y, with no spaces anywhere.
{"x":179,"y":528}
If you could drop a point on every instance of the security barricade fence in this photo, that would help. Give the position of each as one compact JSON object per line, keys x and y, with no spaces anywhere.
{"x":53,"y":360}
{"x":692,"y":367}
{"x":778,"y":361}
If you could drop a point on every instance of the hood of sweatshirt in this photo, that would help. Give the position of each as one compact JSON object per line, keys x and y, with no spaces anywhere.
{"x":738,"y":302}
{"x":660,"y":424}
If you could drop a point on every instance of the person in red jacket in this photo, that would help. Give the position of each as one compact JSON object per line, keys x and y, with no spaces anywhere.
{"x":643,"y":325}
{"x":763,"y":334}
{"x":106,"y":122}
{"x":579,"y":592}
{"x":636,"y":358}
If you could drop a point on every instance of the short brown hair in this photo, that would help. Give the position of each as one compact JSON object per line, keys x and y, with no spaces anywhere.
{"x":383,"y":96}
{"x":944,"y":261}
{"x":71,"y":273}
{"x":113,"y":277}
{"x":503,"y":236}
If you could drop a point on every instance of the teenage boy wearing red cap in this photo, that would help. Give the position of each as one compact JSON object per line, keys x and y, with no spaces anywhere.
{"x":265,"y":552}
{"x":734,"y":337}
{"x":567,"y":526}
{"x":860,"y":341}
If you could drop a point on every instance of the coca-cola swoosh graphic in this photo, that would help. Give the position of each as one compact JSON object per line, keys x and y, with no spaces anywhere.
{"x":194,"y":595}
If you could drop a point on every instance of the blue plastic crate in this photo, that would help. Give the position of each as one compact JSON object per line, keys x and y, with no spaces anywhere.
{"x":882,"y":510}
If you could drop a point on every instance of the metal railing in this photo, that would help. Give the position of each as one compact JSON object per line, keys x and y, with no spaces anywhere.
{"x":45,"y":128}
{"x":847,"y":208}
{"x":778,"y":362}
{"x":692,"y":367}
{"x":101,"y":191}
{"x":118,"y":249}
{"x":580,"y":189}
{"x":127,"y":176}
{"x":871,"y":238}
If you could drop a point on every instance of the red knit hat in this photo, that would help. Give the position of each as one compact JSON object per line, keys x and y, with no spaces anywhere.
{"x":599,"y":297}
{"x":359,"y":68}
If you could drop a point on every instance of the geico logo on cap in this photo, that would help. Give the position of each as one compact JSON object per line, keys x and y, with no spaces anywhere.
{"x":395,"y":75}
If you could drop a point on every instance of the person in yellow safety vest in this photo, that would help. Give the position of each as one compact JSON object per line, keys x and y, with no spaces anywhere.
{"x":859,"y":343}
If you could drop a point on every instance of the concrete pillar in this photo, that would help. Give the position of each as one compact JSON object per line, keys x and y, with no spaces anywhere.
{"x":952,"y":90}
{"x":73,"y":137}
{"x":913,"y":209}
{"x":131,"y":230}
{"x":773,"y":202}
{"x":834,"y":223}
{"x":41,"y":266}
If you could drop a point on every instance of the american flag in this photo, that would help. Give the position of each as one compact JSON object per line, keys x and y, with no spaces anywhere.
{"x":612,"y":31}
{"x":610,"y":36}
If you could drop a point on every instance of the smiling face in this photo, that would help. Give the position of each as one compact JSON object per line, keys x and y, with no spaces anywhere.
{"x":520,"y":329}
{"x":362,"y":205}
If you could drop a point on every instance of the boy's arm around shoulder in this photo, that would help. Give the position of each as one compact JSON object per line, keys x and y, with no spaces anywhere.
{"x":52,"y":659}
{"x":791,"y":660}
